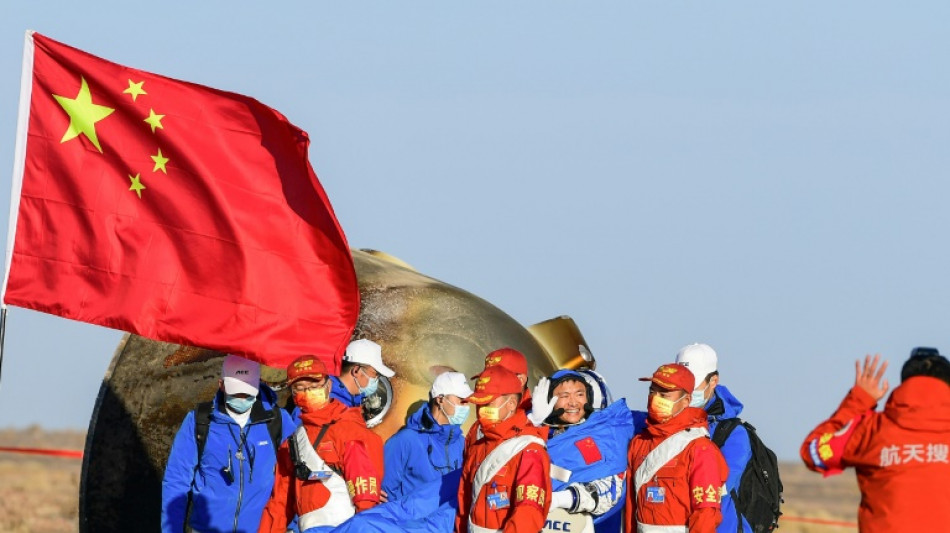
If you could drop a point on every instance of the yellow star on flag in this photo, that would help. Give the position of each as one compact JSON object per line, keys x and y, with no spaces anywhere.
{"x":135,"y":89}
{"x":160,"y":161}
{"x":154,"y":120}
{"x":83,"y":115}
{"x":136,"y":184}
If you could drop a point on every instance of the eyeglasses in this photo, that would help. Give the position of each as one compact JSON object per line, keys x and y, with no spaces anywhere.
{"x":305,"y":388}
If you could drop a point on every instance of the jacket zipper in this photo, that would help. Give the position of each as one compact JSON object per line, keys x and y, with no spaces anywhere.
{"x":240,"y":458}
{"x":245,"y":431}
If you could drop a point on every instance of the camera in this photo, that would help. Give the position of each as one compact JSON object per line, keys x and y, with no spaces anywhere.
{"x":923,"y":351}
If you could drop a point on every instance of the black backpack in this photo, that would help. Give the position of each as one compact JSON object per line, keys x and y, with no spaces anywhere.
{"x":203,"y":425}
{"x":758,"y":497}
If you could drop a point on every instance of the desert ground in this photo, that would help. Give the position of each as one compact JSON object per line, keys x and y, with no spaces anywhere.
{"x":41,"y":494}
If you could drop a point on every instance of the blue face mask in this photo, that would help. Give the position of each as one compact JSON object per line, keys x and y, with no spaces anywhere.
{"x":459,"y":416}
{"x":239,"y":405}
{"x":698,"y":398}
{"x":370,"y":387}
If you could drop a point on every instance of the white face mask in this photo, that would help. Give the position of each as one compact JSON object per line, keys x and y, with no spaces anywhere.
{"x":459,"y":415}
{"x":698,"y":398}
{"x":371,"y":385}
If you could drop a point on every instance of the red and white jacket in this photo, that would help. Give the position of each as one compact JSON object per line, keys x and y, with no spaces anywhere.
{"x":676,"y":477}
{"x":347,"y":447}
{"x":517,"y":497}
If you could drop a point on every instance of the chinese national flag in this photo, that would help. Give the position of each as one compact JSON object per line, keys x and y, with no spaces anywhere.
{"x":589,"y":450}
{"x":175,"y":211}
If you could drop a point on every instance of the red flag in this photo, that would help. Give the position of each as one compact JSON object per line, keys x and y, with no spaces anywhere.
{"x":589,"y":450}
{"x":175,"y":211}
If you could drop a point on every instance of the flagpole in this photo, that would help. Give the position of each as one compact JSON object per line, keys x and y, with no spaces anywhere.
{"x":3,"y":334}
{"x":19,"y":161}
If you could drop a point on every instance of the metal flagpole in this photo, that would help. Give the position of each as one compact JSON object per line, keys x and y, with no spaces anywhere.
{"x":3,"y":334}
{"x":19,"y":160}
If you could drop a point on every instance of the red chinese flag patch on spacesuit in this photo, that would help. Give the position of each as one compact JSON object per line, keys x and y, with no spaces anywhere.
{"x":589,"y":450}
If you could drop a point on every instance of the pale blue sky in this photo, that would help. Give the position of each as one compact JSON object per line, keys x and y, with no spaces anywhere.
{"x":770,"y":178}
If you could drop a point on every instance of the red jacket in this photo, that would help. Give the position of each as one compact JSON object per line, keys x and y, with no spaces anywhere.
{"x":347,"y":447}
{"x":523,"y":485}
{"x":900,"y":455}
{"x":688,"y":489}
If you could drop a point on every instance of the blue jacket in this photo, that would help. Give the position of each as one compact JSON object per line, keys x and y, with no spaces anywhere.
{"x":736,"y":450}
{"x":405,"y":516}
{"x":218,"y":504}
{"x":593,"y":450}
{"x":423,"y":466}
{"x":340,"y":393}
{"x":424,"y":457}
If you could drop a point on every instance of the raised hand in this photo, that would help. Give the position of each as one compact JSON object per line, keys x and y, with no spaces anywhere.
{"x":541,"y":407}
{"x":868,"y":376}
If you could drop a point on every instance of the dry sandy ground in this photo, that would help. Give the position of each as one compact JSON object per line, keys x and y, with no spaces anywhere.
{"x":39,"y":494}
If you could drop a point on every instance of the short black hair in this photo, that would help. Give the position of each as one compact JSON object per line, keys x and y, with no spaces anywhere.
{"x":926,"y":362}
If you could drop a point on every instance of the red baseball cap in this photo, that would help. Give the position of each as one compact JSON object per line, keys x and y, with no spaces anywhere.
{"x":306,"y":366}
{"x":508,"y":358}
{"x":673,"y":376}
{"x":495,"y":381}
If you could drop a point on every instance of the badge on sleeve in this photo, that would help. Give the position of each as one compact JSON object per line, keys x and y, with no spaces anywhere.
{"x":656,"y":494}
{"x":498,"y":500}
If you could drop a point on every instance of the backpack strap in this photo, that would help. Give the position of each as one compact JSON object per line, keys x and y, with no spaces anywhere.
{"x":202,"y":425}
{"x":275,"y":426}
{"x":316,"y":443}
{"x":323,"y":431}
{"x":725,"y":428}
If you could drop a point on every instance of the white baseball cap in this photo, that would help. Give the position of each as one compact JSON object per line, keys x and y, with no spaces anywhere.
{"x":450,"y":383}
{"x":240,"y":376}
{"x":367,"y":352}
{"x":700,"y":359}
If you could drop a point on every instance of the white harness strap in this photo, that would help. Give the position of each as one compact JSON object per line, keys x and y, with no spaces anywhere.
{"x":560,"y":473}
{"x":337,"y":510}
{"x":649,"y":528}
{"x":490,"y":466}
{"x":662,"y":454}
{"x":472,"y":528}
{"x":339,"y":507}
{"x":659,"y":456}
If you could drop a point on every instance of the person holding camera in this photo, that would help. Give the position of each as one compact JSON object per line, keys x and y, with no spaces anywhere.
{"x":901,"y":455}
{"x":331,"y":467}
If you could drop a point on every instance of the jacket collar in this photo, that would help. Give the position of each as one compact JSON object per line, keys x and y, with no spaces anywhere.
{"x":691,"y":417}
{"x":333,"y":411}
{"x":723,"y":404}
{"x":515,"y":425}
{"x":920,"y":403}
{"x":259,"y":413}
